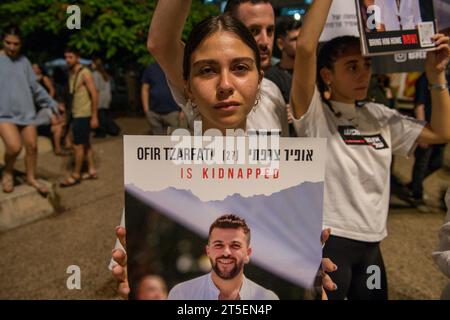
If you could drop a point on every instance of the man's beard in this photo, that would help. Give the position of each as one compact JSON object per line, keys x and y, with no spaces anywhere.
{"x":227,"y":275}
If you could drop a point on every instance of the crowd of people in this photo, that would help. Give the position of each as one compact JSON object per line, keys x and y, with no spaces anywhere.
{"x":218,"y":77}
{"x":223,"y":76}
{"x":65,"y":108}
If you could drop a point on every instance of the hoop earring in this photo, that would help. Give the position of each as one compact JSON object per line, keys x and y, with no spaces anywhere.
{"x":327,"y":92}
{"x":193,"y":105}
{"x":258,"y":99}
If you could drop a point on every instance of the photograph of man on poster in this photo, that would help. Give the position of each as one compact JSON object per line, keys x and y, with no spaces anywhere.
{"x":228,"y":250}
{"x":398,"y":15}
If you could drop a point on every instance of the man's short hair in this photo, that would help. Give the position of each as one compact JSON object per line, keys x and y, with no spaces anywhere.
{"x":231,"y":221}
{"x":233,"y":5}
{"x":286,"y":24}
{"x":73,"y":50}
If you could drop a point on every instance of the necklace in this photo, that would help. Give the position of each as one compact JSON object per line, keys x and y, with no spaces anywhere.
{"x":354,"y":120}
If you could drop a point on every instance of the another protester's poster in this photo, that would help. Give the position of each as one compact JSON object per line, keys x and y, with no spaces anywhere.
{"x":413,"y":61}
{"x":442,"y":13}
{"x":175,"y":187}
{"x":341,"y":21}
{"x":394,"y":26}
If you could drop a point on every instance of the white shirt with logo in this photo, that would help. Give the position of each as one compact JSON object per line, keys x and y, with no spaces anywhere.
{"x":361,"y":142}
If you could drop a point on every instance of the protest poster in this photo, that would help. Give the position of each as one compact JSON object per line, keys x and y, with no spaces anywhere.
{"x":395,"y":26}
{"x":341,"y":21}
{"x":175,"y":187}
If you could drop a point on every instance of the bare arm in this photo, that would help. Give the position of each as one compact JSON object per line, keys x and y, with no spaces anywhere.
{"x":164,"y":38}
{"x":436,"y":64}
{"x":89,"y":83}
{"x":145,"y":97}
{"x":49,"y":85}
{"x":304,"y":78}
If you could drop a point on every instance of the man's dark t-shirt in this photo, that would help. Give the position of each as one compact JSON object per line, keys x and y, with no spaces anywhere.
{"x":161,"y":100}
{"x":282,"y":78}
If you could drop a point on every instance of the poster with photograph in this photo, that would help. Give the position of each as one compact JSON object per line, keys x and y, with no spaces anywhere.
{"x":394,"y":26}
{"x":176,"y":187}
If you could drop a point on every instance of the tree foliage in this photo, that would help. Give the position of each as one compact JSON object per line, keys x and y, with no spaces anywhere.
{"x":112,"y":29}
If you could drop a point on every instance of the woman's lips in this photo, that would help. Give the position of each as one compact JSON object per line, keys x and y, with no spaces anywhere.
{"x":230,"y":105}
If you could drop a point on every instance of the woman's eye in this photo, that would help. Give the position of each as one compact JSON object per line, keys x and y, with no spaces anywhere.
{"x":240,"y":68}
{"x":206,"y":70}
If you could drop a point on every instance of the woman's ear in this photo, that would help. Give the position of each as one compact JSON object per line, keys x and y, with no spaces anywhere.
{"x":279,"y":42}
{"x":325,"y":74}
{"x":188,"y":90}
{"x":261,"y":75}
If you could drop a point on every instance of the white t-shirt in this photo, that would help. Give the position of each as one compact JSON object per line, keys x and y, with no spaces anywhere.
{"x":203,"y":288}
{"x":407,"y":17}
{"x":269,"y":114}
{"x":357,"y":173}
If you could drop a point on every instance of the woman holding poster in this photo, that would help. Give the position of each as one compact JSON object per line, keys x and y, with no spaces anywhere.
{"x":361,"y":137}
{"x":220,"y":71}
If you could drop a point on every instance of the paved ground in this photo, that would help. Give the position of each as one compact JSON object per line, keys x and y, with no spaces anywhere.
{"x":35,"y":257}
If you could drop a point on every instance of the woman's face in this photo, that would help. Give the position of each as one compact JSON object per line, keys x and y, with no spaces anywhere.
{"x":11,"y":45}
{"x":350,"y":77}
{"x":223,"y":81}
{"x":36,"y":69}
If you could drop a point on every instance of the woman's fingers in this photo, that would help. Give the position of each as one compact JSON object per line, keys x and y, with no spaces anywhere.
{"x":325,"y":235}
{"x":328,"y":265}
{"x":120,"y":273}
{"x":121,"y":235}
{"x":120,"y":257}
{"x":327,"y":283}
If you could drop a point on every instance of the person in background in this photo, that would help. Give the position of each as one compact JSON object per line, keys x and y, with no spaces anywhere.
{"x":427,"y":157}
{"x":161,"y":110}
{"x":19,"y":90}
{"x":286,"y":34}
{"x":362,"y":137}
{"x":103,"y":85}
{"x":442,"y":254}
{"x":151,"y":287}
{"x":84,"y":115}
{"x":49,"y":124}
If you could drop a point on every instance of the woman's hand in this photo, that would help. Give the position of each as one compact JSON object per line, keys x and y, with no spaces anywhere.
{"x":437,"y":60}
{"x":120,"y":270}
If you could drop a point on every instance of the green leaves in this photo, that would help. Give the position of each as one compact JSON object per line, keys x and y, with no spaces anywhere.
{"x":112,"y":29}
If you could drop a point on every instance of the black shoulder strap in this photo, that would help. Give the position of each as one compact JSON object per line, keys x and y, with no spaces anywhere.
{"x":75,"y":81}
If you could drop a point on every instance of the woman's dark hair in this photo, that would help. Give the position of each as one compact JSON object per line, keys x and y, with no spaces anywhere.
{"x":11,"y":30}
{"x":42,"y":68}
{"x":329,"y":53}
{"x":101,"y":68}
{"x":207,"y":27}
{"x":286,"y":24}
{"x":233,"y":5}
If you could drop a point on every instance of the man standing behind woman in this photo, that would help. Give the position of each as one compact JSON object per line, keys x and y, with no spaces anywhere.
{"x":84,"y":101}
{"x":161,"y":110}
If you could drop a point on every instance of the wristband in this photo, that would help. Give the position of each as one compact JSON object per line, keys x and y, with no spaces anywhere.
{"x":438,"y":86}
